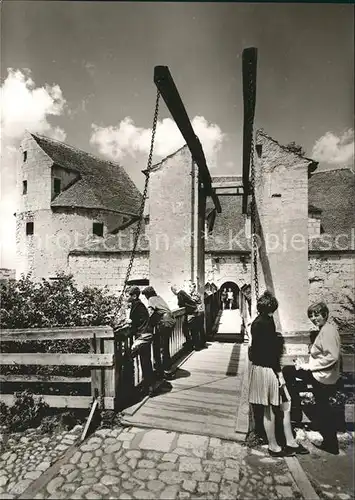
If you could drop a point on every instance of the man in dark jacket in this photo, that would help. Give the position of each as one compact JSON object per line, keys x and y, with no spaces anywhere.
{"x":143,"y":335}
{"x":191,"y":317}
{"x":163,"y":320}
{"x":200,"y":313}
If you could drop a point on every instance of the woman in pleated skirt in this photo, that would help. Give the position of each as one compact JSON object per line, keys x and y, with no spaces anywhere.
{"x":267,"y":385}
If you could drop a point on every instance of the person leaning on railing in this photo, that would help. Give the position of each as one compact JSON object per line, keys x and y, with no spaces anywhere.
{"x":161,"y":317}
{"x":143,"y":334}
{"x":192,"y":326}
{"x":200,"y":314}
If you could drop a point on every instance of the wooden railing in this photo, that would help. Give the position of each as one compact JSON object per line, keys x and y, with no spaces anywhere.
{"x":112,"y":372}
{"x":100,"y":361}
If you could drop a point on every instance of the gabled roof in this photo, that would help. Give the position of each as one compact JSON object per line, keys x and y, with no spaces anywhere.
{"x":332,"y":191}
{"x":101,"y":184}
{"x":228,"y":232}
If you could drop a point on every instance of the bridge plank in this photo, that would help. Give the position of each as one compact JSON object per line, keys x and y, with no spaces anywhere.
{"x":204,"y":402}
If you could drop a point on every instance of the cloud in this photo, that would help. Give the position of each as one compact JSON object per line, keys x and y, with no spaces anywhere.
{"x":334,"y":149}
{"x":126,"y":138}
{"x":24,"y":106}
{"x":90,"y":67}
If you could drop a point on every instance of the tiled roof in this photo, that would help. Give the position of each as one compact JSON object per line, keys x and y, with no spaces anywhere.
{"x":332,"y":191}
{"x":228,"y":232}
{"x":102,"y":185}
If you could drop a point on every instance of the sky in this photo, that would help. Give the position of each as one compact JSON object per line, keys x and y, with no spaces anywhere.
{"x":82,"y":72}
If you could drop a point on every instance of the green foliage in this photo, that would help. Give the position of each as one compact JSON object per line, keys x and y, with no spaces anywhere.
{"x":26,"y":412}
{"x":296,"y":148}
{"x":56,"y":303}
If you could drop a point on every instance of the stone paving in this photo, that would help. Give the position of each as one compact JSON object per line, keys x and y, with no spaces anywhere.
{"x":136,"y":463}
{"x":27,"y":455}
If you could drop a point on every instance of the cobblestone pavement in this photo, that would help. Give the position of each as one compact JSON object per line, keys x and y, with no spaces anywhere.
{"x":136,"y":463}
{"x":27,"y":455}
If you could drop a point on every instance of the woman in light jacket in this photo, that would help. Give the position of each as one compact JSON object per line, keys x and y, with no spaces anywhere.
{"x":323,"y":372}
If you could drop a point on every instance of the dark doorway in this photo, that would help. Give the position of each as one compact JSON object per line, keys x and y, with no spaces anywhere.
{"x":229,"y":286}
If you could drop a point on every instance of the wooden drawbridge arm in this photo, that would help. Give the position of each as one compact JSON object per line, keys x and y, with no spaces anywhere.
{"x":165,"y":84}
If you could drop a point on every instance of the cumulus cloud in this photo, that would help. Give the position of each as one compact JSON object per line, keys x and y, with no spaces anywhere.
{"x":23,"y":106}
{"x":128,"y":139}
{"x":334,"y":149}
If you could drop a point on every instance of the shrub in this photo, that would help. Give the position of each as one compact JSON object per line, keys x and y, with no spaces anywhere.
{"x":56,"y":303}
{"x":26,"y":412}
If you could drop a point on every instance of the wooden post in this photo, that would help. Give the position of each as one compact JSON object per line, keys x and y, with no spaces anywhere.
{"x":109,"y":372}
{"x":96,"y":373}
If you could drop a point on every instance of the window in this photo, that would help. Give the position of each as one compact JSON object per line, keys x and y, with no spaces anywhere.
{"x":57,"y":185}
{"x":24,"y":156}
{"x":24,"y":187}
{"x":98,"y":229}
{"x":29,"y":228}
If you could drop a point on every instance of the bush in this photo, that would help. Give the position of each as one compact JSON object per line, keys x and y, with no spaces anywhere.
{"x":26,"y":412}
{"x":56,"y":303}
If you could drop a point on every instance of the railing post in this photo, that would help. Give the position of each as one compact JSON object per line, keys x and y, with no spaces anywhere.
{"x":109,"y":372}
{"x":96,"y":373}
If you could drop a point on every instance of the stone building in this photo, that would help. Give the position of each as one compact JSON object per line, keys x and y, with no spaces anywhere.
{"x":78,"y":214}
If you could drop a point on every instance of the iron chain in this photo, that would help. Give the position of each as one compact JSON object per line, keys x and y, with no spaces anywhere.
{"x":144,"y":197}
{"x":254,"y":223}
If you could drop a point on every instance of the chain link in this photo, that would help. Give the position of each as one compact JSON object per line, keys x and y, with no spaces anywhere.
{"x":141,"y":209}
{"x":254,"y":223}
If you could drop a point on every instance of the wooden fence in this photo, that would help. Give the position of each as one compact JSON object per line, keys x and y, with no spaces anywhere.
{"x":112,"y":373}
{"x":100,"y":361}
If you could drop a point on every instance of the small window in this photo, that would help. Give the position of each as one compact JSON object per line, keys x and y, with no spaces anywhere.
{"x":29,"y":228}
{"x":57,"y":186}
{"x":24,"y":187}
{"x":25,"y":156}
{"x":98,"y":229}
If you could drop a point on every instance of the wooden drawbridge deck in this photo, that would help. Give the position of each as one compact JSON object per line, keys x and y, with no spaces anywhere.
{"x":208,"y":395}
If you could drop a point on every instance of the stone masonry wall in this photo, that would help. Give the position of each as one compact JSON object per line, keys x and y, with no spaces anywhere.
{"x":222,"y":268}
{"x":100,"y":270}
{"x":331,"y":279}
{"x":314,"y":227}
{"x":7,"y":274}
{"x":282,"y":207}
{"x":171,"y":223}
{"x":55,"y":233}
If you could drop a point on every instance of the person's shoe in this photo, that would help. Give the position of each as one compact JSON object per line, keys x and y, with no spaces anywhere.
{"x":276,"y":453}
{"x":332,"y":448}
{"x":169,"y":376}
{"x":300,"y":450}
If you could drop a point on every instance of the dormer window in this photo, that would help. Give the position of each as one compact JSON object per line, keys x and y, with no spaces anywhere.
{"x":57,"y":185}
{"x":98,"y":229}
{"x":24,"y":187}
{"x":24,"y":154}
